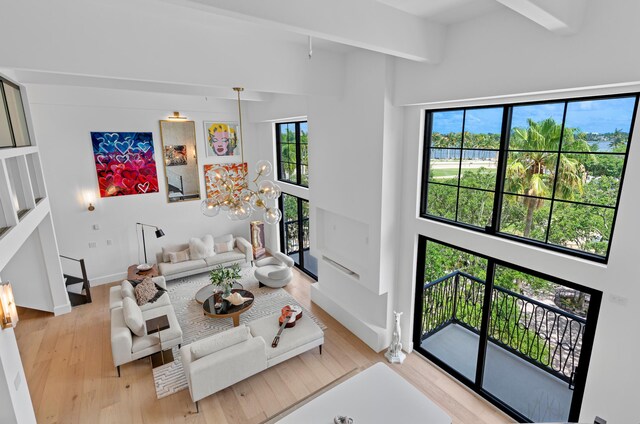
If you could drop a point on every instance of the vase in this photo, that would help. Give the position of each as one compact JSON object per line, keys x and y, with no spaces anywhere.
{"x":227,"y":291}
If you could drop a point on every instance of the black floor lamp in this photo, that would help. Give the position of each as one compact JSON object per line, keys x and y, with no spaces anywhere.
{"x":159,"y":233}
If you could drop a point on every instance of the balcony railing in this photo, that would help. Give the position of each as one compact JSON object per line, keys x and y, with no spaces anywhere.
{"x":543,"y":335}
{"x":291,"y":235}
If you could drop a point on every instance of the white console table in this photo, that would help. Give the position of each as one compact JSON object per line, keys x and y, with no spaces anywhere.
{"x":376,"y":395}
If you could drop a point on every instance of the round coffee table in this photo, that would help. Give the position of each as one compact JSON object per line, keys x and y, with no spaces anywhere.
{"x":209,"y":290}
{"x":226,"y":309}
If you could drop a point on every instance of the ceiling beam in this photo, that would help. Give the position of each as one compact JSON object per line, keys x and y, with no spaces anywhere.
{"x":559,"y":16}
{"x":366,"y":24}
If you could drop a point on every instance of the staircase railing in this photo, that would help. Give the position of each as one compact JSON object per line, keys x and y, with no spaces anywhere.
{"x":71,"y":279}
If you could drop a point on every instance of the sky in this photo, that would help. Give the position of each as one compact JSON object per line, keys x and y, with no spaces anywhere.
{"x":599,"y":116}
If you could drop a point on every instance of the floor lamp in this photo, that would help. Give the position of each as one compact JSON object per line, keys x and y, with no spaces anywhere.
{"x":159,"y":233}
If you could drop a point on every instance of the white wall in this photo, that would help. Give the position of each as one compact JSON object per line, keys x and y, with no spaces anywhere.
{"x":354,"y":171}
{"x":15,"y":401}
{"x":504,"y":54}
{"x":64,"y":117}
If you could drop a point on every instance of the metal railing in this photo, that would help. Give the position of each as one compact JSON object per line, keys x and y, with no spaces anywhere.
{"x":291,"y":235}
{"x":543,"y":335}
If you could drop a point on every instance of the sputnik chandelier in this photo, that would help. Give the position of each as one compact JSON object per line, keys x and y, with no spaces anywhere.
{"x":236,"y":195}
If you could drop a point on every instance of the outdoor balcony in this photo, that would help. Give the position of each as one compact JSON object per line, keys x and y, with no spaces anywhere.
{"x":532,"y":350}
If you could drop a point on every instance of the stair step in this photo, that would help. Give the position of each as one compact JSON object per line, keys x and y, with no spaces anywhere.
{"x":70,"y":279}
{"x":75,"y":288}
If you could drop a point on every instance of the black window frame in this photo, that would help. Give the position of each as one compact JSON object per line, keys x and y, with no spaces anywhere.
{"x":477,"y":384}
{"x":493,"y":229}
{"x":298,"y":162}
{"x":5,"y":105}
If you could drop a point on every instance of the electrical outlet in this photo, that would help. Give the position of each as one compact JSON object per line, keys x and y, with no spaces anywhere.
{"x":17,"y":381}
{"x":93,"y":244}
{"x":109,"y":242}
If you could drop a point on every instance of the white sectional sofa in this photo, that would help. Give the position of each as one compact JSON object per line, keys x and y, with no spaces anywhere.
{"x":127,"y":346}
{"x":242,"y":253}
{"x":221,"y":360}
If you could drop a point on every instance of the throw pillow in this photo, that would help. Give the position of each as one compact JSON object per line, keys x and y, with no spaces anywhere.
{"x":201,"y":248}
{"x":224,"y":247}
{"x":133,"y":317}
{"x":166,"y":250}
{"x":127,"y":290}
{"x":219,"y":341}
{"x":181,"y":256}
{"x":145,"y":291}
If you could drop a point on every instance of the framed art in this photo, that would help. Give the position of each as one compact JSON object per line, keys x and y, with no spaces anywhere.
{"x":223,"y":141}
{"x":236,"y":172}
{"x":124,"y":163}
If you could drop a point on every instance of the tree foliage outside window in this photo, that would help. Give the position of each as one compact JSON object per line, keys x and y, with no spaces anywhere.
{"x":552,"y":178}
{"x":293,"y":152}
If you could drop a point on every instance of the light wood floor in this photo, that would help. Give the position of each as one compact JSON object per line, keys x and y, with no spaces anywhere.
{"x":67,"y":360}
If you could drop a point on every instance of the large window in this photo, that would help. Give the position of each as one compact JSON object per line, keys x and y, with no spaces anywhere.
{"x":293,"y":152}
{"x":544,"y":173}
{"x":13,"y":122}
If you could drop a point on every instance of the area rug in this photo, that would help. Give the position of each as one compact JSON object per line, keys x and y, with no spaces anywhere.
{"x":170,"y":378}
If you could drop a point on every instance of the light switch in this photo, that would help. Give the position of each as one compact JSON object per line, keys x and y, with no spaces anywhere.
{"x":96,"y":227}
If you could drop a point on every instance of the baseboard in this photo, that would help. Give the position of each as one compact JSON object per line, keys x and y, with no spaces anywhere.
{"x":98,"y":281}
{"x":374,"y":336}
{"x":62,"y":309}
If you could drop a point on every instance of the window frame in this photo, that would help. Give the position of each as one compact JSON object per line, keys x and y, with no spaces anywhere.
{"x":298,"y":162}
{"x":477,"y":385}
{"x":5,"y":104}
{"x":494,"y":228}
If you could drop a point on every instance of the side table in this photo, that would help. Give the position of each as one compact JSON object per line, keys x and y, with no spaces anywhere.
{"x":156,"y":325}
{"x":133,"y":274}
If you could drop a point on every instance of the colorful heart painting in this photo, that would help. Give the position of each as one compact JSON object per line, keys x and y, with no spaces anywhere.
{"x":124,"y":163}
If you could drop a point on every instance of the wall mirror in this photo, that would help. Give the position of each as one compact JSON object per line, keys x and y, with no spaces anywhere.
{"x":180,"y":160}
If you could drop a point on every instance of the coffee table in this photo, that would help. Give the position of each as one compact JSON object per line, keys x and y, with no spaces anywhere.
{"x":226,"y":309}
{"x":209,"y":290}
{"x":133,"y":274}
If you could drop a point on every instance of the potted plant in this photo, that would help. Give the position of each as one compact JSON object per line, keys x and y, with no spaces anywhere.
{"x":225,"y":277}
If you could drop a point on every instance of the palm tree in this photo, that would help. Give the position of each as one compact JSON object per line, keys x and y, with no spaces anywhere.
{"x":532,"y":173}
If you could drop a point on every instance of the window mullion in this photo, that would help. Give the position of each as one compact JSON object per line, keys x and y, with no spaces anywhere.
{"x":555,"y":176}
{"x":501,"y":172}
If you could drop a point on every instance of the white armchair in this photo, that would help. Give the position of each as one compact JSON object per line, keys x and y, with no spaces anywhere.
{"x":274,"y":271}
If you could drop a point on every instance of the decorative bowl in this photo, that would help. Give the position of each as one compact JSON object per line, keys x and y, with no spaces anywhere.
{"x":144,"y":267}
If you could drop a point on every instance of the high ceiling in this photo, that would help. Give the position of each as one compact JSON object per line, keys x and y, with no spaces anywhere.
{"x":445,"y":11}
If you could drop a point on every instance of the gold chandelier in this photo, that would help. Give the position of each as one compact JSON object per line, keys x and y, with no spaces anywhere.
{"x":238,"y":197}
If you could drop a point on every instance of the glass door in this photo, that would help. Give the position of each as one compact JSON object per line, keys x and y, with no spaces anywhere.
{"x":294,"y":233}
{"x":536,"y":337}
{"x":519,"y":338}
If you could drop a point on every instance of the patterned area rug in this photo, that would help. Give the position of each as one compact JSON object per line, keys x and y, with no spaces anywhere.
{"x":170,"y":378}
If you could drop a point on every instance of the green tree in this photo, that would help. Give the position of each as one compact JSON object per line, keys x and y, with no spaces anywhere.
{"x":532,"y":172}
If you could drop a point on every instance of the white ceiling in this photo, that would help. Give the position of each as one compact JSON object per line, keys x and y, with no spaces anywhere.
{"x":445,"y":11}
